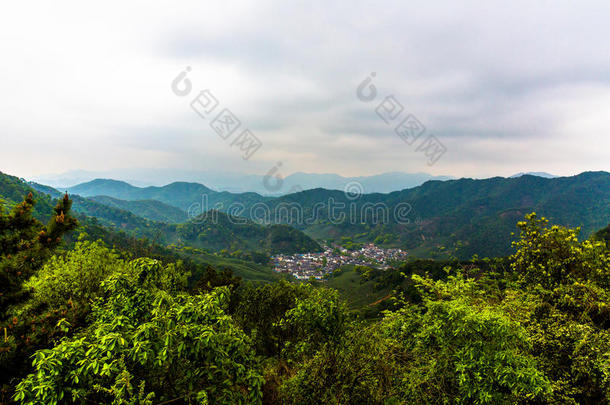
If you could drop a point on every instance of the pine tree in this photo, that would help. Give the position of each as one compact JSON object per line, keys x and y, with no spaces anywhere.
{"x":25,"y":244}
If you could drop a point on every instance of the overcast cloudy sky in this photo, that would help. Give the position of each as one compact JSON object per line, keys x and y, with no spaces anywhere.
{"x":505,"y":86}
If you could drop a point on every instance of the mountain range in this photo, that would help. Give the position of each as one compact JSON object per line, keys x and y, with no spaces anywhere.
{"x":539,"y":174}
{"x":213,"y":233}
{"x":265,"y":184}
{"x":465,"y":216}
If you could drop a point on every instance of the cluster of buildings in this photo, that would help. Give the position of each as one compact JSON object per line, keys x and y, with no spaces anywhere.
{"x":317,"y":265}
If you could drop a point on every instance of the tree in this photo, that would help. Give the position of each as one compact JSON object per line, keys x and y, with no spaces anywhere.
{"x":318,"y":318}
{"x":74,"y":277}
{"x":361,"y":368}
{"x":260,"y":310}
{"x":147,"y":342}
{"x":25,"y":244}
{"x":563,"y":303}
{"x":553,"y":256}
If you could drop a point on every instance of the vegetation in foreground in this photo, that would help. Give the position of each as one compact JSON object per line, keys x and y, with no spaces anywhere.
{"x":89,"y":325}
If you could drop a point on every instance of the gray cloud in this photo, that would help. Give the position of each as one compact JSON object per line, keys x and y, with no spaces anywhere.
{"x":507,"y":87}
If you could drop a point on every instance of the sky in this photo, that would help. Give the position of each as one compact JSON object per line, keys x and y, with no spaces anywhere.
{"x":497,"y":87}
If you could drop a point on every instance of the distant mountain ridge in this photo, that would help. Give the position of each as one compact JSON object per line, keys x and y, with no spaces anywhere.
{"x":472,"y":216}
{"x":213,"y":233}
{"x":380,"y":183}
{"x":539,"y":174}
{"x":241,"y":183}
{"x":182,"y":195}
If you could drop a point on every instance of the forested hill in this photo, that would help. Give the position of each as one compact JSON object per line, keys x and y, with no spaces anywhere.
{"x":179,"y":194}
{"x":466,"y":215}
{"x":12,"y":191}
{"x":98,"y":205}
{"x":149,"y":209}
{"x":216,"y":231}
{"x":213,"y":232}
{"x":471,"y":216}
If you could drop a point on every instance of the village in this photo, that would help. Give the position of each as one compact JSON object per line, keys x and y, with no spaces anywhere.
{"x":317,"y":265}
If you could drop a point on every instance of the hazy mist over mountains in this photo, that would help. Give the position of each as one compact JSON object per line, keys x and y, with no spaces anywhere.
{"x":267,"y":184}
{"x":474,"y":216}
{"x":539,"y":174}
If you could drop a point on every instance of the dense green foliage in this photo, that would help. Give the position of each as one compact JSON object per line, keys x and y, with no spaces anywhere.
{"x":149,"y":344}
{"x":603,"y":235}
{"x":127,"y":321}
{"x":247,"y":265}
{"x":216,"y":231}
{"x":531,"y":328}
{"x":13,"y":190}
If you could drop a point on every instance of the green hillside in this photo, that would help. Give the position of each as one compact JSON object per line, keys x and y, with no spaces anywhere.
{"x":214,"y":231}
{"x":149,"y":209}
{"x":472,"y":216}
{"x":183,"y":195}
{"x":91,"y":229}
{"x":123,"y":230}
{"x":530,"y":328}
{"x":464,"y":216}
{"x":12,"y":191}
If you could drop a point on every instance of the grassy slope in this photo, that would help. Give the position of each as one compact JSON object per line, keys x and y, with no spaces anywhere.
{"x":246,"y":270}
{"x":148,"y":209}
{"x":357,"y":293}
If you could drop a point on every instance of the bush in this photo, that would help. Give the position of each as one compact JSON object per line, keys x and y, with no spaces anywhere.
{"x":147,"y":343}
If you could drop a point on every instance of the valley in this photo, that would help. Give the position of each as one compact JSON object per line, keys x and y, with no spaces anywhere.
{"x":304,"y":203}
